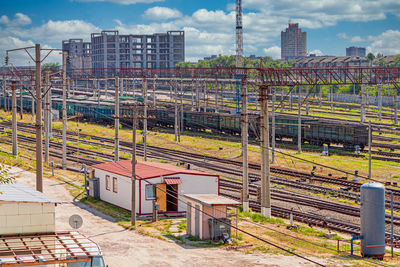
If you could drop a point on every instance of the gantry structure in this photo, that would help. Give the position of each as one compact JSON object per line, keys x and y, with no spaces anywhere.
{"x":260,"y":79}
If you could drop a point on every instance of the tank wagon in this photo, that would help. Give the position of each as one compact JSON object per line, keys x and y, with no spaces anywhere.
{"x":314,"y":131}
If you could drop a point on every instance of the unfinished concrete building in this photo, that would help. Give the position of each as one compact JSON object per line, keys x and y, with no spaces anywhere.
{"x":110,"y":50}
{"x":79,"y":54}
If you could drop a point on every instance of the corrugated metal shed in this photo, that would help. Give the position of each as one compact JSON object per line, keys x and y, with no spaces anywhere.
{"x":18,"y":192}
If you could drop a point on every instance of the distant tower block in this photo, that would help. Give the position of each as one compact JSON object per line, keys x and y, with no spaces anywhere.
{"x":293,"y":42}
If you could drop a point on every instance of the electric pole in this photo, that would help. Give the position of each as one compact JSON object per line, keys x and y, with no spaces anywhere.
{"x":396,"y":120}
{"x":363,"y":115}
{"x":380,"y":102}
{"x":14,"y":120}
{"x":145,"y":119}
{"x":299,"y":121}
{"x":116,"y":141}
{"x":64,"y":114}
{"x":273,"y":127}
{"x":20,"y":102}
{"x":265,"y":168}
{"x":176,"y":112}
{"x":46,"y":118}
{"x":133,"y":200}
{"x":38,"y":124}
{"x":369,"y":148}
{"x":39,"y":151}
{"x":245,"y":142}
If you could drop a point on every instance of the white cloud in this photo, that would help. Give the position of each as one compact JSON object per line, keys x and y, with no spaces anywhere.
{"x":56,"y":31}
{"x":4,"y":19}
{"x":22,"y":19}
{"x":21,"y":58}
{"x":16,"y":34}
{"x":18,"y":57}
{"x":274,"y":52}
{"x":161,"y":13}
{"x":356,"y":39}
{"x":19,"y":20}
{"x":317,"y":52}
{"x":210,"y":32}
{"x":386,"y":43}
{"x":342,"y":35}
{"x":123,"y":2}
{"x":320,"y":13}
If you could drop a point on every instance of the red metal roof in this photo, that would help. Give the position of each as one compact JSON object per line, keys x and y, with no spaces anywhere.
{"x":146,"y":169}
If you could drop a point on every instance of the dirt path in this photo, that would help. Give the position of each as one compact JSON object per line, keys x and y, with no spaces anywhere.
{"x":124,"y":248}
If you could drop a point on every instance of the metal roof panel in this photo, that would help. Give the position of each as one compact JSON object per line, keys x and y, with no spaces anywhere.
{"x":19,"y":192}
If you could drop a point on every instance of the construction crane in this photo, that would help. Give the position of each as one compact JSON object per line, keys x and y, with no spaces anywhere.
{"x":239,"y":52}
{"x":239,"y":35}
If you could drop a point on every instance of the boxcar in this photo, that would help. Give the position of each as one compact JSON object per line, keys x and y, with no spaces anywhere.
{"x":347,"y":134}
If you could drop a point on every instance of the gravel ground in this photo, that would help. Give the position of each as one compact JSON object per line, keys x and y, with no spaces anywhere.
{"x":128,"y":248}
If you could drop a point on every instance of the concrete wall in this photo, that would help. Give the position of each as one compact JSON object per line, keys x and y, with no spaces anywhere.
{"x":23,"y":218}
{"x":191,"y":184}
{"x":387,"y":101}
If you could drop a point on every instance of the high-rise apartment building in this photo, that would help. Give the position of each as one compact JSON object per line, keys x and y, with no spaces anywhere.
{"x":293,"y":43}
{"x":111,"y":50}
{"x":355,"y":51}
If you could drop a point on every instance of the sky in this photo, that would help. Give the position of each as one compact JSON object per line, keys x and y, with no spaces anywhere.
{"x":209,"y":25}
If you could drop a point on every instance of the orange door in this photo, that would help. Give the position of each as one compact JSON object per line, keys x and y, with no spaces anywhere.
{"x":161,"y":194}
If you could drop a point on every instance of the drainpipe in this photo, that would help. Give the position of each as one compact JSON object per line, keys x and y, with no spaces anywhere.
{"x":355,"y":237}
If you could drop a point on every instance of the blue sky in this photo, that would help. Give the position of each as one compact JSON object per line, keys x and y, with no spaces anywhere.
{"x":209,"y":26}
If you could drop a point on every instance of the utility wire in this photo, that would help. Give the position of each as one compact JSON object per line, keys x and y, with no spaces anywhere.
{"x":229,"y":225}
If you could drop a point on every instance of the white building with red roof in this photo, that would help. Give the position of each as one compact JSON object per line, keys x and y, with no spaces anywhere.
{"x":114,"y":185}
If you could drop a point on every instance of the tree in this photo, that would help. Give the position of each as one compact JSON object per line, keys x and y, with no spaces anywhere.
{"x":5,"y":178}
{"x":54,"y":66}
{"x":381,"y":62}
{"x":230,"y":61}
{"x":395,"y":62}
{"x":370,"y":56}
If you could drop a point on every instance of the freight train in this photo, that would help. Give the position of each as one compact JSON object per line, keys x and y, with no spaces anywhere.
{"x":313,"y":131}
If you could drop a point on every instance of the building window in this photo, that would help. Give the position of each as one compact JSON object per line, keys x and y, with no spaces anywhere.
{"x":108,"y":182}
{"x":150,"y":192}
{"x":115,"y":185}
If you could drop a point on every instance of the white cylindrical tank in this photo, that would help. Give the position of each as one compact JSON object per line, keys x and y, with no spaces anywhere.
{"x":373,"y":220}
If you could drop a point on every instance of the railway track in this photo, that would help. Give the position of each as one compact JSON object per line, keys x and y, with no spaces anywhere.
{"x":277,"y":211}
{"x":312,"y":219}
{"x":235,"y":187}
{"x":200,"y":160}
{"x":91,"y":157}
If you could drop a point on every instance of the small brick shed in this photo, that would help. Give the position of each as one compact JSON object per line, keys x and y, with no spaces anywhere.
{"x":24,"y":210}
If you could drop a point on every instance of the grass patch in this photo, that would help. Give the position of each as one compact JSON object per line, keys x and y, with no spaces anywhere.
{"x":182,"y":227}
